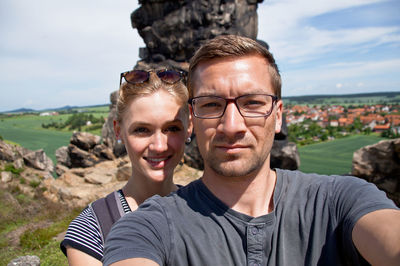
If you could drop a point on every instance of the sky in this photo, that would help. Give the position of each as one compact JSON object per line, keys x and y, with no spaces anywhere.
{"x":58,"y":53}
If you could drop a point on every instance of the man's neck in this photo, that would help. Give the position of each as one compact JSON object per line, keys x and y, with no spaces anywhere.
{"x":251,"y":195}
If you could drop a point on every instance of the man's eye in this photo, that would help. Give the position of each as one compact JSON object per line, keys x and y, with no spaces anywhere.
{"x":251,"y":104}
{"x":210,"y":105}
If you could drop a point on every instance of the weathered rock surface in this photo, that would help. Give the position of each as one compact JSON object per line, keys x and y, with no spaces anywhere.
{"x":380,"y":164}
{"x":285,"y":155}
{"x":20,"y":157}
{"x":85,"y":140}
{"x":25,"y":261}
{"x":80,"y":186}
{"x":84,"y":150}
{"x":173,"y":30}
{"x":38,"y":160}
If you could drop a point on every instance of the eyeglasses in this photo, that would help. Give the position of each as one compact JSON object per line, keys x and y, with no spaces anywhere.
{"x":141,"y":76}
{"x":250,"y":105}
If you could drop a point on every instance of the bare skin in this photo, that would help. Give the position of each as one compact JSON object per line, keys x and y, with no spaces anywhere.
{"x":377,"y":237}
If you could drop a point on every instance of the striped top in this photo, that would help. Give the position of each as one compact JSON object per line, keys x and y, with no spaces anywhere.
{"x":84,"y":233}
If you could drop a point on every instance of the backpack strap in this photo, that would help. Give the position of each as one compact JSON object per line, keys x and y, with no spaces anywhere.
{"x":107,"y":211}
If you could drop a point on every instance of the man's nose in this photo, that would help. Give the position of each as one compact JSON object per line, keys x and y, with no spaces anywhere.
{"x":232,"y":122}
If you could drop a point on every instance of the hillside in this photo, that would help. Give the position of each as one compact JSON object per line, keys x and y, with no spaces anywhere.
{"x":346,"y":99}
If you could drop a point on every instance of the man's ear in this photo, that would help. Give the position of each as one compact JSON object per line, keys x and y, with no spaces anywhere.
{"x":278,"y":116}
{"x":190,"y":125}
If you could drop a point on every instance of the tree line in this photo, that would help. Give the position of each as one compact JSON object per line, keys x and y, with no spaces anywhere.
{"x":76,"y":122}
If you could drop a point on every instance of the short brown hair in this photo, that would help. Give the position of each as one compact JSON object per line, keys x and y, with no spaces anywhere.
{"x":234,"y":46}
{"x":128,"y":92}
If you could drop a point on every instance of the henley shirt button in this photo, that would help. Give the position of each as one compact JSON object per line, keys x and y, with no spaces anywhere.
{"x":254,"y":230}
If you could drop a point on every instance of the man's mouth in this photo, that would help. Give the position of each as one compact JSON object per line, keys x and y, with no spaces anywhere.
{"x":232,"y":148}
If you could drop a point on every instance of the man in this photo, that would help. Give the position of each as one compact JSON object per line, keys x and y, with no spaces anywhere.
{"x":242,"y":212}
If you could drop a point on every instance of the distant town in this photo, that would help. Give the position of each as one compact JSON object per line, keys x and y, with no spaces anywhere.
{"x":308,"y":124}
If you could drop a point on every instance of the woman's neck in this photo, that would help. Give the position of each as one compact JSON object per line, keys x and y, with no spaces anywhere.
{"x":136,"y":192}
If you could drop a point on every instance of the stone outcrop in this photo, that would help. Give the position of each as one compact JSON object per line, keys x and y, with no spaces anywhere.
{"x":173,"y":30}
{"x":25,"y":261}
{"x":80,"y":186}
{"x":84,"y":150}
{"x":380,"y":164}
{"x":21,"y":157}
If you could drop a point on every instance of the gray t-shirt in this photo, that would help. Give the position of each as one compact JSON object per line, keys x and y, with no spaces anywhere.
{"x":311,"y":224}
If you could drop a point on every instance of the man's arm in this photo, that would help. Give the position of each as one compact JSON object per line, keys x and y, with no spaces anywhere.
{"x":376,"y":235}
{"x":135,"y":262}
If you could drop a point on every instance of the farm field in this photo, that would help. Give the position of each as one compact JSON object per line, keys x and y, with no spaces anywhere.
{"x":333,"y":157}
{"x":26,"y":130}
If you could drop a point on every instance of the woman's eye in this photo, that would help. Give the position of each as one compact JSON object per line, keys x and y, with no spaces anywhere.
{"x":141,"y":130}
{"x":174,"y":129}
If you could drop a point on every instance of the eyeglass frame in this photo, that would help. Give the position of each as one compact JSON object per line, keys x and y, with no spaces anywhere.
{"x":234,"y":100}
{"x":182,"y":76}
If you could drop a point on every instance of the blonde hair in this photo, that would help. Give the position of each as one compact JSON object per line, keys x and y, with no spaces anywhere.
{"x":234,"y":46}
{"x":128,"y":92}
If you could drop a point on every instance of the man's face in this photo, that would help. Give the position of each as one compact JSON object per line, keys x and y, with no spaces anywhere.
{"x":234,"y":145}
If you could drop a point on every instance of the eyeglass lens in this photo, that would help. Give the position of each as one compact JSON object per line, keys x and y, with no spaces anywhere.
{"x":254,"y":105}
{"x":137,"y":76}
{"x":141,"y":76}
{"x":169,"y":76}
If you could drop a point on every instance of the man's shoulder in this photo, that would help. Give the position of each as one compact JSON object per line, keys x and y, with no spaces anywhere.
{"x":314,"y":178}
{"x":183,"y":194}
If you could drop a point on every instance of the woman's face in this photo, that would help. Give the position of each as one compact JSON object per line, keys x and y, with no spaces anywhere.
{"x":154,"y":129}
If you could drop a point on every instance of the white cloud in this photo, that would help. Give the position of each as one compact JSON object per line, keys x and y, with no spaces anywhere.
{"x":281,"y":25}
{"x":356,"y":77}
{"x":48,"y":46}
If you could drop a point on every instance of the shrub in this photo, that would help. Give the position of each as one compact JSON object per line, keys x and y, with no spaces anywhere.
{"x":10,"y":168}
{"x":34,"y":183}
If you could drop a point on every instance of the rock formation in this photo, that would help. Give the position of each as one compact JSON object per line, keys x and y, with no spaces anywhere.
{"x":380,"y":164}
{"x":21,"y":157}
{"x":173,"y":30}
{"x":84,"y":150}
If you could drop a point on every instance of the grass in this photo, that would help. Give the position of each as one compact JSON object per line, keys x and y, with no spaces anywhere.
{"x":333,"y":157}
{"x":18,"y":215}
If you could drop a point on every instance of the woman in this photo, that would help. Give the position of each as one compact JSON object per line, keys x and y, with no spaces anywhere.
{"x":153,"y":123}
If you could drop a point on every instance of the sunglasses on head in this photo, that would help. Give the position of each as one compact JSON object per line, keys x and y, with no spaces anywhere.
{"x":141,"y":76}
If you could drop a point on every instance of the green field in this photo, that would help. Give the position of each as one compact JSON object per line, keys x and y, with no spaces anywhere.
{"x":26,"y":130}
{"x":333,"y":157}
